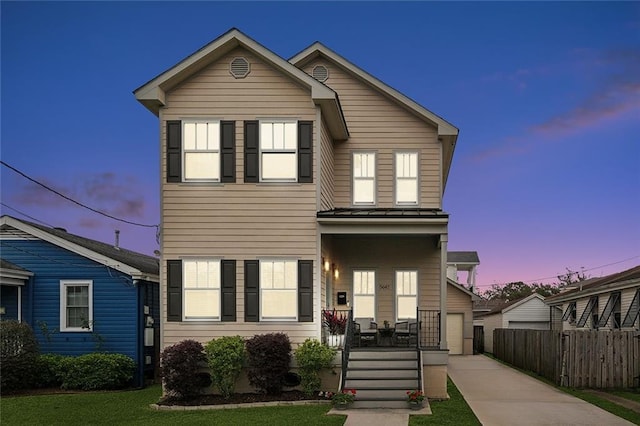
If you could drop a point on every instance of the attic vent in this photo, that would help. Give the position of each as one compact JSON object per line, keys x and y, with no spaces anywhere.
{"x":320,"y":73}
{"x":239,"y":67}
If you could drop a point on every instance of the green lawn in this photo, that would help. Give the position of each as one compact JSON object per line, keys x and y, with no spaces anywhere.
{"x":455,"y":411}
{"x":132,"y":408}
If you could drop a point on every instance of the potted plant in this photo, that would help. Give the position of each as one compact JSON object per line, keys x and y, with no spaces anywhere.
{"x":336,"y":324}
{"x":342,"y":400}
{"x":415,"y":399}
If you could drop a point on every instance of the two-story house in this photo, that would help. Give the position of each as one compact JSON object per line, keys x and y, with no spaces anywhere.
{"x":293,"y":186}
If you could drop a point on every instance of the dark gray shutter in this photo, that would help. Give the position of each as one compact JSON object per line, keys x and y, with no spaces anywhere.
{"x":251,"y":291}
{"x":228,"y":290}
{"x":174,"y":151}
{"x":305,"y":290}
{"x":251,"y":151}
{"x":305,"y":151}
{"x":228,"y":151}
{"x":174,"y":290}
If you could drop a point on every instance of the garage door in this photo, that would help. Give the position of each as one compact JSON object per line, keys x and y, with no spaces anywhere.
{"x":455,"y":333}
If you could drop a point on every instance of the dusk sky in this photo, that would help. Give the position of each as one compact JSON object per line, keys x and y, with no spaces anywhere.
{"x":546,"y":172}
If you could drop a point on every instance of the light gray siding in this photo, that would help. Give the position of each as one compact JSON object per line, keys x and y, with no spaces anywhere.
{"x":532,"y":311}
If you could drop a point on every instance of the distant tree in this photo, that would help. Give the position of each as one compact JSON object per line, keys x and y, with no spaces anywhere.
{"x":571,"y":277}
{"x":518,"y":290}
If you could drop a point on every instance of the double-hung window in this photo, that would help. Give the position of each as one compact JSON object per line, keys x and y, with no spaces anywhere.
{"x":278,"y":290}
{"x":406,"y":294}
{"x":201,"y":286}
{"x":364,"y":178}
{"x":76,"y":305}
{"x":278,"y":151}
{"x":407,"y":178}
{"x":201,"y":149}
{"x":364,"y":294}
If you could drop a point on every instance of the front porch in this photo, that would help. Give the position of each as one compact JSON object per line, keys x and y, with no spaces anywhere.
{"x":382,"y":364}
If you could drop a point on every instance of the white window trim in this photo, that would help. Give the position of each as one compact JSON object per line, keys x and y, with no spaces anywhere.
{"x":396,"y":295}
{"x":374,"y":179}
{"x":396,"y":179}
{"x":277,"y":151}
{"x":375,"y":290}
{"x":63,"y":305}
{"x":184,"y":288}
{"x":185,"y":151}
{"x":278,"y":319}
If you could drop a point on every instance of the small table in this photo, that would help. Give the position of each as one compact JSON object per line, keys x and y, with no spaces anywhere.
{"x":385,"y":336}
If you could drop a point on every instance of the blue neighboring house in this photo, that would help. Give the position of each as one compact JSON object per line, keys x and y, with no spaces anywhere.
{"x":80,"y":295}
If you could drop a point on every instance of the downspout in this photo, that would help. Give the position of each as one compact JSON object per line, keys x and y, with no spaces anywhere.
{"x":444,"y":239}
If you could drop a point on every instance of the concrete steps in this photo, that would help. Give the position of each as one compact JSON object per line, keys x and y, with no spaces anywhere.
{"x":382,"y":378}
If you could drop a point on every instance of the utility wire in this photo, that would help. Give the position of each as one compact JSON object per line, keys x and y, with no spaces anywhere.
{"x":74,"y":201}
{"x":26,"y":215}
{"x":572,"y":272}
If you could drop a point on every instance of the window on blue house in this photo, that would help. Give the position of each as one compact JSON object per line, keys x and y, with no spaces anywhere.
{"x":76,"y":305}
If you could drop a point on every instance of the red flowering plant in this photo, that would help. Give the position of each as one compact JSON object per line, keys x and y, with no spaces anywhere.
{"x":335,"y":322}
{"x":415,"y":395}
{"x":347,"y":396}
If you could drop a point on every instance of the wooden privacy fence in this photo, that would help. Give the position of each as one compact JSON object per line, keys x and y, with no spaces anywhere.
{"x":576,"y":358}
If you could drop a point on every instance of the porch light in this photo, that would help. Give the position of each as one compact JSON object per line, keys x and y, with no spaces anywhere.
{"x":326,"y":264}
{"x":336,"y":273}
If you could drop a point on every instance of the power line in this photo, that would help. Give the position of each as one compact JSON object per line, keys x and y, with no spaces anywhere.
{"x":26,"y":215}
{"x":582,"y":270}
{"x":74,"y":201}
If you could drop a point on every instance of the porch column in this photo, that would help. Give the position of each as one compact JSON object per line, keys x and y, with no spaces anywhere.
{"x":444,"y":239}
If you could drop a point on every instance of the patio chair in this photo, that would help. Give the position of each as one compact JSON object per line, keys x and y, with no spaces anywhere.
{"x":365,"y":331}
{"x":406,"y":333}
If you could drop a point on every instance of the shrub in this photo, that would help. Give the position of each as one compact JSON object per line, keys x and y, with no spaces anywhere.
{"x":312,"y":356}
{"x":18,"y":355}
{"x":180,"y":367}
{"x":51,"y":369}
{"x":268,"y":356}
{"x":98,"y":371}
{"x":225,"y":357}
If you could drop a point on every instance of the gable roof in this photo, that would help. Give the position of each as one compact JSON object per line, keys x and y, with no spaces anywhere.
{"x":474,"y":297}
{"x":447,"y":132}
{"x":12,"y":274}
{"x":627,"y":278}
{"x":507,"y":306}
{"x":137,"y":265}
{"x":152,"y":93}
{"x":463,"y":257}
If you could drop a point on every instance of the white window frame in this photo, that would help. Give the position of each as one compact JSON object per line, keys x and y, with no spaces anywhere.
{"x":368,"y":174}
{"x":402,"y":292}
{"x":274,"y":150}
{"x":405,"y":171}
{"x":215,"y":150}
{"x":64,"y":284}
{"x":359,"y":294}
{"x":189,"y":287}
{"x":282,"y":287}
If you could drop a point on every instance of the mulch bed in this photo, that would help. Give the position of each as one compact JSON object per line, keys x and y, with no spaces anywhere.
{"x":243,"y":398}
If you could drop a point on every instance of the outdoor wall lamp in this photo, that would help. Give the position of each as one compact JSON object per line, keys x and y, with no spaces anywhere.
{"x":326,"y":264}
{"x":336,"y":272}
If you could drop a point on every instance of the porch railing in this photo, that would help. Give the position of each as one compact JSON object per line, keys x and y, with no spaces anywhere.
{"x":429,"y":331}
{"x":348,"y":339}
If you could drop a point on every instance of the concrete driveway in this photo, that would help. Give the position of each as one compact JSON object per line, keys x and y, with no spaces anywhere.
{"x":499,"y":395}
